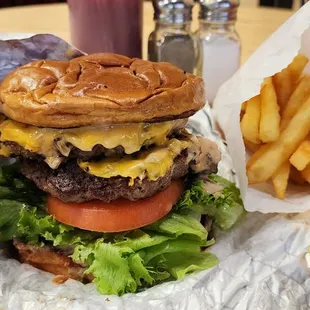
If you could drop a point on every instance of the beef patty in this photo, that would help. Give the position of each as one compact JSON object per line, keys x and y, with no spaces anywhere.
{"x":97,"y":151}
{"x":70,"y":183}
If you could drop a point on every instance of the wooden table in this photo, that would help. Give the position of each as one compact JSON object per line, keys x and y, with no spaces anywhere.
{"x":254,"y":24}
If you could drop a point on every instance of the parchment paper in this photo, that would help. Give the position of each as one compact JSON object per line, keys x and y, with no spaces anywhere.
{"x":272,"y":56}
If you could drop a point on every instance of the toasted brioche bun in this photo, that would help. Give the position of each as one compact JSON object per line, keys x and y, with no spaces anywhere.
{"x":99,"y":89}
{"x":49,"y":260}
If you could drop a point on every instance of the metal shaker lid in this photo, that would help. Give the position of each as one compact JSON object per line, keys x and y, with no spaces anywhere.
{"x":218,"y":10}
{"x":173,"y":11}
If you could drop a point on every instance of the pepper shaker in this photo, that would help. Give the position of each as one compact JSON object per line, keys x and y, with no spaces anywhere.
{"x":219,"y":46}
{"x":172,"y":39}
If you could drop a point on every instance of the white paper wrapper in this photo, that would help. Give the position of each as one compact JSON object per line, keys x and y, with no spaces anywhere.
{"x":272,"y":56}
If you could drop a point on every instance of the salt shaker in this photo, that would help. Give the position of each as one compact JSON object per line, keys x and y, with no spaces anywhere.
{"x":172,"y":39}
{"x":219,"y":44}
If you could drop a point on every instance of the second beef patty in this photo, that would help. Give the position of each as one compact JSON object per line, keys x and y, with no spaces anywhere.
{"x":72,"y":184}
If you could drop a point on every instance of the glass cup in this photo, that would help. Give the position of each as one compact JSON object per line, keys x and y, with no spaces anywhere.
{"x":113,"y":26}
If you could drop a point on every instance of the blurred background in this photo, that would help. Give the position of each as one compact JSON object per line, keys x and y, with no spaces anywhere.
{"x":289,"y":4}
{"x":210,"y":38}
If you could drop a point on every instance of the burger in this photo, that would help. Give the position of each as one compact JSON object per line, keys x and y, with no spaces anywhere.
{"x":105,"y":184}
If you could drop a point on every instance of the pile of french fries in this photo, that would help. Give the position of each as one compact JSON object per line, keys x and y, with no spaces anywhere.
{"x":275,"y":126}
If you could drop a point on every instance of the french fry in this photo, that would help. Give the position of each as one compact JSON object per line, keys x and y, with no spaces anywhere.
{"x":269,"y":127}
{"x":286,"y":80}
{"x":260,"y":152}
{"x":266,"y":164}
{"x":243,"y":106}
{"x":242,"y":112}
{"x":284,"y":87}
{"x":252,"y":147}
{"x":296,"y":176}
{"x":2,"y":118}
{"x":301,"y":157}
{"x":278,"y":135}
{"x":250,"y":120}
{"x":297,"y":67}
{"x":284,"y":123}
{"x":306,"y":173}
{"x":301,"y":93}
{"x":280,"y":179}
{"x":241,"y":116}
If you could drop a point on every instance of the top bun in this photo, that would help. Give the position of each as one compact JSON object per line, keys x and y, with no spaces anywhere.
{"x":99,"y":89}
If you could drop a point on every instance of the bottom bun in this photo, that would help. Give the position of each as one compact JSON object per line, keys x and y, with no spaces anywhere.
{"x":48,"y":259}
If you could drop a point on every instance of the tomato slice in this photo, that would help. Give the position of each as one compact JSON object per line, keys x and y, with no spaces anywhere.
{"x":119,"y":215}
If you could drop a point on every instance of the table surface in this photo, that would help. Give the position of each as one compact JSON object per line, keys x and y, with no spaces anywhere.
{"x":254,"y":24}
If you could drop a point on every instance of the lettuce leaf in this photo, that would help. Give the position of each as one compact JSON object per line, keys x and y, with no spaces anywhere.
{"x":139,"y":271}
{"x":139,"y":239}
{"x":9,"y":217}
{"x":14,"y":186}
{"x":225,"y":207}
{"x":111,"y":270}
{"x":172,"y":246}
{"x":180,"y":264}
{"x":123,"y":262}
{"x":177,"y":225}
{"x":34,"y":224}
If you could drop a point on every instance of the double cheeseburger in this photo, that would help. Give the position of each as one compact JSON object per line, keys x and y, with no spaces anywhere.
{"x":108,"y":186}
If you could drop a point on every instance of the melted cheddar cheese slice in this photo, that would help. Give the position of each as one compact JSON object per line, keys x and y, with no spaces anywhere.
{"x":5,"y":151}
{"x":50,"y":143}
{"x":153,"y":163}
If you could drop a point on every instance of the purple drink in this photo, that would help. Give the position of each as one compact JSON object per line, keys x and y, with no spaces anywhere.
{"x":113,"y":26}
